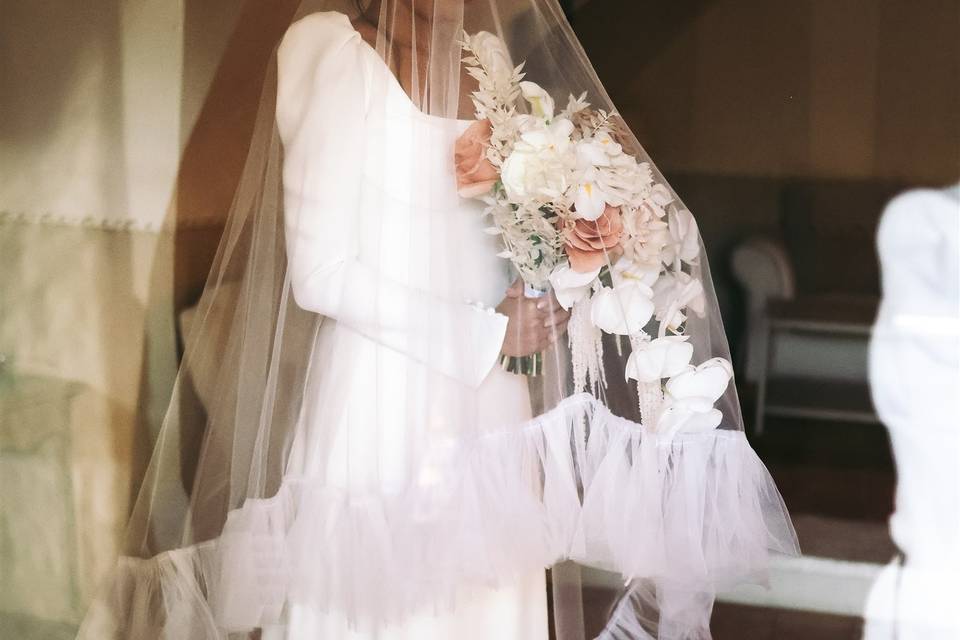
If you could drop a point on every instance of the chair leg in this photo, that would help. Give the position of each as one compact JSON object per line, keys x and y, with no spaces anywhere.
{"x":764,"y":360}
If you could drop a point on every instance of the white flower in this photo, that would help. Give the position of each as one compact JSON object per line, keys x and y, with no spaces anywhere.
{"x":590,"y":201}
{"x":650,"y":238}
{"x":676,"y":418}
{"x":541,"y":104}
{"x":656,"y":201}
{"x":591,"y":153}
{"x":699,"y":387}
{"x":684,"y":238}
{"x":526,"y":174}
{"x":570,"y":286}
{"x":661,"y":358}
{"x":552,"y":138}
{"x":517,"y":171}
{"x":537,"y":166}
{"x":606,"y":176}
{"x":624,"y":309}
{"x":609,"y":145}
{"x":646,"y":272}
{"x":491,"y":52}
{"x":691,"y":394}
{"x":675,"y":291}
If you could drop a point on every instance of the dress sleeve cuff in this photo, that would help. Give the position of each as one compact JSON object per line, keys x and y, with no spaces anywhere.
{"x":488,"y":329}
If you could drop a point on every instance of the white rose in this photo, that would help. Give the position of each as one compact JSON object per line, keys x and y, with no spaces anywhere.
{"x":657,"y":359}
{"x":623,"y":310}
{"x":526,"y":174}
{"x":537,"y":164}
{"x":517,"y":171}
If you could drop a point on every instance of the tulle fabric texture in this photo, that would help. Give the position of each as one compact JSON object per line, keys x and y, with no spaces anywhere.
{"x":361,"y":451}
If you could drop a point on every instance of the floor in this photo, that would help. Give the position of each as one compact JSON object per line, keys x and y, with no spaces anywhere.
{"x":739,"y":622}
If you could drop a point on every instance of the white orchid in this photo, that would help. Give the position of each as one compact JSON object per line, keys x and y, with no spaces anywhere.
{"x":623,"y":310}
{"x":591,"y":153}
{"x":609,"y":145}
{"x":673,"y":293}
{"x":691,"y":395}
{"x":606,"y":176}
{"x":553,"y":137}
{"x":678,"y":418}
{"x":590,"y":201}
{"x":541,"y":104}
{"x":571,"y":286}
{"x":684,"y":238}
{"x":646,"y":272}
{"x":653,"y":360}
{"x":591,"y":198}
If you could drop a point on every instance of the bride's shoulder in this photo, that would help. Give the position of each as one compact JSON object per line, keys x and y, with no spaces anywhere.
{"x":319,"y":50}
{"x":318,"y":33}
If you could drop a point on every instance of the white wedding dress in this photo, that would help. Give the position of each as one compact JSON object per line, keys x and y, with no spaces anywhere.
{"x":389,"y":480}
{"x":367,"y":388}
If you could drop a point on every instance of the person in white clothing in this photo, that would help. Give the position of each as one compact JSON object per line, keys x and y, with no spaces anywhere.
{"x":459,"y":330}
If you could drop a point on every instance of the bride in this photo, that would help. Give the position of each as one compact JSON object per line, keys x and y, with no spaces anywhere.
{"x":438,"y":270}
{"x":424,"y":387}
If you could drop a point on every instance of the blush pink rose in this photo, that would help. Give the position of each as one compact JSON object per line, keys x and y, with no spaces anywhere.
{"x":475,"y":174}
{"x":590,"y":242}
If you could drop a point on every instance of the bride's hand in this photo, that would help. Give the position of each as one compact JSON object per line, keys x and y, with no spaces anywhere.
{"x":534,"y":323}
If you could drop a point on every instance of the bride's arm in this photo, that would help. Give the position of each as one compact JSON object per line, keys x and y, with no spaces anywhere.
{"x":320,"y":116}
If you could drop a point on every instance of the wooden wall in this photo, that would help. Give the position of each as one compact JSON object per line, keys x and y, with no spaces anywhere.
{"x":813,"y":88}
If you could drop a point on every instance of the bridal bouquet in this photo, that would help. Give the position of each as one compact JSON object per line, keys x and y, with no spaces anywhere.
{"x":579,"y":214}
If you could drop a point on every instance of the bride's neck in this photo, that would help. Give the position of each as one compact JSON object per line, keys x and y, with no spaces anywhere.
{"x":401,"y":21}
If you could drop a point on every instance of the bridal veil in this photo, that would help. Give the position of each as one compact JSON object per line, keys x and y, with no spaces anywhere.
{"x":345,"y":433}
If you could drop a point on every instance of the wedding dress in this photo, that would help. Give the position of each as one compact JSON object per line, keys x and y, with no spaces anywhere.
{"x":370,"y":464}
{"x":343,"y":401}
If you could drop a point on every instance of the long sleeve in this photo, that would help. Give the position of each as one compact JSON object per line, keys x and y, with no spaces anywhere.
{"x":321,"y":107}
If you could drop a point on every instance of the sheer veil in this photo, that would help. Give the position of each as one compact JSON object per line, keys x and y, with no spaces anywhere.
{"x":367,"y":447}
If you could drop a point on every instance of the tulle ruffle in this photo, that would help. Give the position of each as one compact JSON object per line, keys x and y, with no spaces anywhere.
{"x":689,"y":515}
